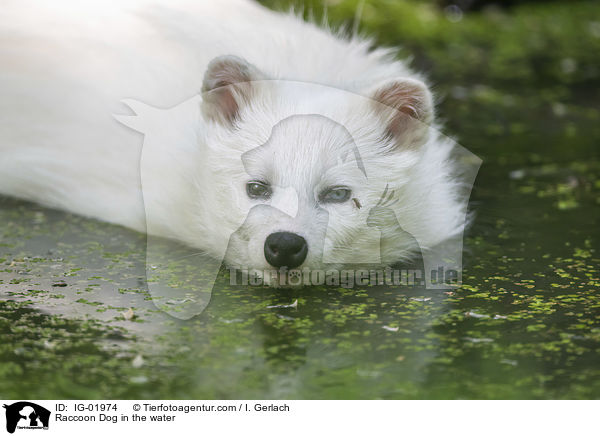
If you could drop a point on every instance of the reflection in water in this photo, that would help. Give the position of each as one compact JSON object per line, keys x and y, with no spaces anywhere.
{"x":524,"y":325}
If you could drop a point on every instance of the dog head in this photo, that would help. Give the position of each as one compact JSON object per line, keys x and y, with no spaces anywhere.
{"x":298,"y":170}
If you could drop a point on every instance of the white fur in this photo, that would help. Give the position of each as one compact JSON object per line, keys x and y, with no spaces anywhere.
{"x":67,"y":65}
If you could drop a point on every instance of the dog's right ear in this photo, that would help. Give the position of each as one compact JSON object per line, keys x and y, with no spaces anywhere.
{"x":227,"y":87}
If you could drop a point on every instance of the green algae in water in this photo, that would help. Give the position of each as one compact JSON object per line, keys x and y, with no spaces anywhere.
{"x":526,"y":323}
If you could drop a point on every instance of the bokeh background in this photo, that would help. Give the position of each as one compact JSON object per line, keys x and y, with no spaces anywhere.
{"x":518,"y":84}
{"x":502,"y":69}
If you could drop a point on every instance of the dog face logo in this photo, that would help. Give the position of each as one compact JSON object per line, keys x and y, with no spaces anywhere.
{"x":26,"y":415}
{"x":329,"y":181}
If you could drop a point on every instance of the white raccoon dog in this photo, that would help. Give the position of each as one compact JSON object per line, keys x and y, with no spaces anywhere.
{"x":297,"y":142}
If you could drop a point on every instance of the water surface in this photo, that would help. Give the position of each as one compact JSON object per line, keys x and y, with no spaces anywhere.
{"x":526,"y":323}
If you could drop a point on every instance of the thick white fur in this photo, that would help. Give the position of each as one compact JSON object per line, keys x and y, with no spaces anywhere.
{"x":67,"y":65}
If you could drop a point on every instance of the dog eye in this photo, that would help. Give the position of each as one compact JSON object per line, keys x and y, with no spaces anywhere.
{"x":258,"y":190}
{"x":335,"y":195}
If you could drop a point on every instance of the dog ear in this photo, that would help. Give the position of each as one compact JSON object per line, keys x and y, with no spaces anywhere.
{"x":227,"y":87}
{"x":407,"y":106}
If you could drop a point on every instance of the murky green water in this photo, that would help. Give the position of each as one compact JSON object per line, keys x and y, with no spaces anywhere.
{"x":526,"y":323}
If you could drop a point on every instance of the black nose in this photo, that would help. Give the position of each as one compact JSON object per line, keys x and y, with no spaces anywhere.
{"x":285,"y":249}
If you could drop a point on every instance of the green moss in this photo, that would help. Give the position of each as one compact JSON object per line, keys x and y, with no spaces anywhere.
{"x":519,"y":87}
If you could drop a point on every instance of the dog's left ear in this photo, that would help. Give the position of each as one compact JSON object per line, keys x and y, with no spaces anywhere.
{"x":227,"y":87}
{"x":407,"y":107}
